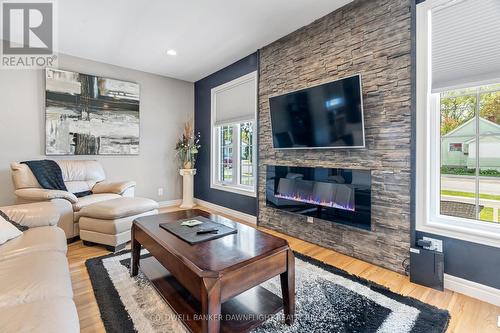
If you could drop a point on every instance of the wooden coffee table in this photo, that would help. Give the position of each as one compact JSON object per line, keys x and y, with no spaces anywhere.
{"x":213,"y":286}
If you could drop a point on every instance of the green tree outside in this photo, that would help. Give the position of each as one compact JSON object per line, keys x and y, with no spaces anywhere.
{"x":457,"y":109}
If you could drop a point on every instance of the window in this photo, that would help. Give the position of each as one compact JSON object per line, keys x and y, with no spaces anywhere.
{"x":458,"y":120}
{"x":470,"y":182}
{"x":235,"y":159}
{"x":233,"y":141}
{"x":455,"y":147}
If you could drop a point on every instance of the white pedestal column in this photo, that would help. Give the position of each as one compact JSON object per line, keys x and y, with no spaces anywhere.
{"x":187,"y":187}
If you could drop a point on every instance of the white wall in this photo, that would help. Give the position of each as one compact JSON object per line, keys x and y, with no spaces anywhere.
{"x":165,"y":105}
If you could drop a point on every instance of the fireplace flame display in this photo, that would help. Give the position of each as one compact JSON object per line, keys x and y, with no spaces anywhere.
{"x":314,"y":201}
{"x":326,"y":194}
{"x":332,"y":195}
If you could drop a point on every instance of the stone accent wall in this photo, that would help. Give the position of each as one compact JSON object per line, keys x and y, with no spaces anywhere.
{"x":370,"y":37}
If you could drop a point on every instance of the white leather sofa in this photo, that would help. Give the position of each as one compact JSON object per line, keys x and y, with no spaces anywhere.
{"x":78,"y":176}
{"x":35,"y":283}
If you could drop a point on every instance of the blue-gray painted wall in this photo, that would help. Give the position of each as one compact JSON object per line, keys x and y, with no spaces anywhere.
{"x":202,"y":104}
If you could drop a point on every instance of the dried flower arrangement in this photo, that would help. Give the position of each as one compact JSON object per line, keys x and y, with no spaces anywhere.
{"x":187,"y":146}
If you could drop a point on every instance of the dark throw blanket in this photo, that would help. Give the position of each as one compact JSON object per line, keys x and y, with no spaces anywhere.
{"x":49,"y":175}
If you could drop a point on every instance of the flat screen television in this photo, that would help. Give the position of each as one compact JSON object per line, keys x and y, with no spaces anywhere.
{"x":325,"y":116}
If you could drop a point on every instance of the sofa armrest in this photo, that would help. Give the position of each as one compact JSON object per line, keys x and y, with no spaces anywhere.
{"x":113,"y":187}
{"x":35,"y":214}
{"x":40,"y":194}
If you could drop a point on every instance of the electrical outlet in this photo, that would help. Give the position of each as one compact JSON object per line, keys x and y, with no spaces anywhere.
{"x":498,"y":323}
{"x":160,"y":191}
{"x":436,"y":244}
{"x":310,"y":219}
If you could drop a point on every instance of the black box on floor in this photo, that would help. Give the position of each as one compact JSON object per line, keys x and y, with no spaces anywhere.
{"x":427,"y":268}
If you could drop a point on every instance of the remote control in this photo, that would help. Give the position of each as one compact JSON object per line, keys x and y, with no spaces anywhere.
{"x":207,"y":231}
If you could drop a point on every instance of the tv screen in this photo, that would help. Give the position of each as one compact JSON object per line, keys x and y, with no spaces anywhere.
{"x":325,"y":116}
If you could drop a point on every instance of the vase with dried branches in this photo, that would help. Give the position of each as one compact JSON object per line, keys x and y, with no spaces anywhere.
{"x":187,"y":146}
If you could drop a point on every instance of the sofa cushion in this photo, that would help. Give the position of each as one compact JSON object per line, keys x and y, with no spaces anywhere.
{"x":80,"y":186}
{"x":118,"y":208}
{"x":35,"y":240}
{"x":78,"y":175}
{"x":111,"y":227}
{"x":8,"y":231}
{"x":23,"y":177}
{"x":32,"y":215}
{"x":14,"y":223}
{"x":41,"y":194}
{"x":113,"y":187}
{"x":92,"y":199}
{"x":35,"y":277}
{"x":78,"y":170}
{"x":52,"y":315}
{"x":48,"y":173}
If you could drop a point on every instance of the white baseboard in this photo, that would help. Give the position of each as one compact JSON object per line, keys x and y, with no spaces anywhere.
{"x":169,"y":203}
{"x":243,"y":216}
{"x":472,"y":289}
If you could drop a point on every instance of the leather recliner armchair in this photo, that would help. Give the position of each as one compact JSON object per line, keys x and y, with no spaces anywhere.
{"x":78,"y":176}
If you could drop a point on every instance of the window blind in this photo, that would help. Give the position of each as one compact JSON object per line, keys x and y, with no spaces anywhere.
{"x":236,"y":103}
{"x":465,"y":44}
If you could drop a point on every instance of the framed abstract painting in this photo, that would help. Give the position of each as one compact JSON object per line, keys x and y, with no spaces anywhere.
{"x":90,"y":115}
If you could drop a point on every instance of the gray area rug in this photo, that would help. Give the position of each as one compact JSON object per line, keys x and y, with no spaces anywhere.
{"x":327,"y":300}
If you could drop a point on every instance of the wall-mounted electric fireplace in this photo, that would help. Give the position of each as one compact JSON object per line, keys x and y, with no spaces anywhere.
{"x":337,"y":195}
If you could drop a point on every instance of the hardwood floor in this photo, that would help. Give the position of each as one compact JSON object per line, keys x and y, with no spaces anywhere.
{"x":467,"y":314}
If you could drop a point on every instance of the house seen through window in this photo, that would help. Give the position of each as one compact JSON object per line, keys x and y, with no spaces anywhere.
{"x":470,"y":153}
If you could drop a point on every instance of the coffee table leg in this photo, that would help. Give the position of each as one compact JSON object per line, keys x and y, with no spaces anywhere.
{"x":288,"y":289}
{"x":135,"y":255}
{"x":210,"y":305}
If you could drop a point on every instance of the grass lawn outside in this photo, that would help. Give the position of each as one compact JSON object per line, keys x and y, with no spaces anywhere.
{"x":486,"y":214}
{"x":470,"y":195}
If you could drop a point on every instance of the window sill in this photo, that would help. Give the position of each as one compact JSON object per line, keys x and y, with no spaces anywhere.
{"x":235,"y":189}
{"x":481,"y":236}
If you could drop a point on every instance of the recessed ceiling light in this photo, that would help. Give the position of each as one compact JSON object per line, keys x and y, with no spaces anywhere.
{"x":171,"y":52}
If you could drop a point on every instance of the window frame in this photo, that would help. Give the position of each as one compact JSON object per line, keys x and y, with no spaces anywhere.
{"x":427,"y":155}
{"x":215,"y":148}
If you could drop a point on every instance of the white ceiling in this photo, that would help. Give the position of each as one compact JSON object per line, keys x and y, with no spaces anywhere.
{"x":207,"y":34}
